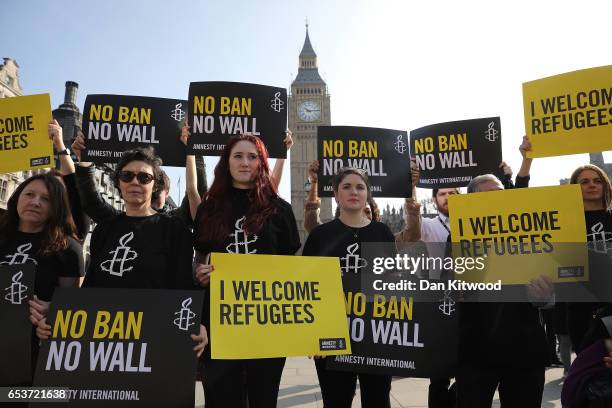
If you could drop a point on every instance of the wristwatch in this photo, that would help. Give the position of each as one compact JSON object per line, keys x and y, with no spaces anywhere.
{"x":65,"y":152}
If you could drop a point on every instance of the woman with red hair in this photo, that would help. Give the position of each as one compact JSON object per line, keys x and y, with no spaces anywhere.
{"x":242,"y":213}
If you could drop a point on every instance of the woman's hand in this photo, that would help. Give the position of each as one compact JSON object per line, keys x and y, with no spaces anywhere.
{"x":313,"y":169}
{"x":288,"y":140}
{"x":202,"y":273}
{"x":78,"y":145}
{"x":38,"y":310}
{"x":185,"y":134}
{"x":201,"y":339}
{"x":54,"y":130}
{"x":43,"y":330}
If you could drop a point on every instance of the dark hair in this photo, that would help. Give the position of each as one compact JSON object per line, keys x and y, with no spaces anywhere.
{"x":143,"y":154}
{"x":607,"y":189}
{"x":347,"y":171}
{"x":60,"y":225}
{"x":213,"y":220}
{"x":434,"y":192}
{"x":164,"y":186}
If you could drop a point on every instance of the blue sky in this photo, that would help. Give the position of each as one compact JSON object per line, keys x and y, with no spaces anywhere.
{"x":394,"y":64}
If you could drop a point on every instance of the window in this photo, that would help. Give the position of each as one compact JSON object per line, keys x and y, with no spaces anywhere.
{"x":3,"y":189}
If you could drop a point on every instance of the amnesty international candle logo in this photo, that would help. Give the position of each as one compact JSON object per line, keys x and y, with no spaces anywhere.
{"x":277,"y":103}
{"x":19,"y":257}
{"x":352,"y":262}
{"x":16,"y":291}
{"x":448,"y":304}
{"x":400,"y":146}
{"x":185,"y":316}
{"x":177,"y":113}
{"x":599,"y":239}
{"x":241,"y":239}
{"x":122,"y":254}
{"x":491,"y":133}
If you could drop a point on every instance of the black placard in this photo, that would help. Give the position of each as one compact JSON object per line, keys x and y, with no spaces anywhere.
{"x":382,"y":153}
{"x":219,"y":110}
{"x":451,"y":154}
{"x":394,"y":334}
{"x":17,"y":286}
{"x":113,"y":124}
{"x":122,"y":347}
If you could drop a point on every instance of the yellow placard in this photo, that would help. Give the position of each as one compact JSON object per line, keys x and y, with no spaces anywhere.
{"x":264,"y":306}
{"x":569,"y":113}
{"x":24,"y":141}
{"x":521,"y":234}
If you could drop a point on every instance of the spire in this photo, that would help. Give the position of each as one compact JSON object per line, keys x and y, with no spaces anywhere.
{"x":307,"y":50}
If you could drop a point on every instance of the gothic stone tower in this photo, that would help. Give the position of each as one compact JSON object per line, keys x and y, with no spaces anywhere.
{"x":309,"y":107}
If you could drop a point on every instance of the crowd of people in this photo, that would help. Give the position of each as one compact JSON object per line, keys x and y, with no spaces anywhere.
{"x":502,"y":346}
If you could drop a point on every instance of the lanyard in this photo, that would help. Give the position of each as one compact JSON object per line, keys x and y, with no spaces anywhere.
{"x":443,"y":224}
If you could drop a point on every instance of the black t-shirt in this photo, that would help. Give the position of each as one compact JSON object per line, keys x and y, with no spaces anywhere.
{"x":599,"y":236}
{"x":278,"y":236}
{"x":336,"y":239}
{"x":25,"y":247}
{"x":152,"y":252}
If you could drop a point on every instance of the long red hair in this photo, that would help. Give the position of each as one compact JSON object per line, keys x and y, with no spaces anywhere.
{"x":214,"y":218}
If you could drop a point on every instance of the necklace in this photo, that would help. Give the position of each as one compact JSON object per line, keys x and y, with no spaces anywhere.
{"x":354,"y":231}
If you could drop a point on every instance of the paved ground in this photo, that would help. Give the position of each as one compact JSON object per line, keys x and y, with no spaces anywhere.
{"x":300,"y":389}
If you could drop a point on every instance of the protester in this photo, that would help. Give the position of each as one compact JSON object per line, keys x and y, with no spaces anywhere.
{"x":242,"y":213}
{"x":334,"y":238}
{"x":138,"y":248}
{"x":194,"y":195}
{"x":596,"y":198}
{"x":312,"y":205}
{"x":502,"y":344}
{"x":37,"y":227}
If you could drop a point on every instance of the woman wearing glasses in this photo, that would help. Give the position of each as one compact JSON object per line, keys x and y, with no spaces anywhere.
{"x":138,"y":247}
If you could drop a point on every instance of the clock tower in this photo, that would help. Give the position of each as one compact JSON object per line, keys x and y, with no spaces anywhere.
{"x":308,"y":109}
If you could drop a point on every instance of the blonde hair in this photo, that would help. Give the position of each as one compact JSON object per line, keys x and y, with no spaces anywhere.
{"x":606,"y":197}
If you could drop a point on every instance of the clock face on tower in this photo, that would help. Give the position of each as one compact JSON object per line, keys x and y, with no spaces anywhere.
{"x":309,"y":111}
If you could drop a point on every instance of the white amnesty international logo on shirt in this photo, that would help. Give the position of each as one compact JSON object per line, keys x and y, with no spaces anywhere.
{"x":19,"y":257}
{"x":352,"y":262}
{"x":599,"y":239}
{"x":122,"y":254}
{"x":241,"y":239}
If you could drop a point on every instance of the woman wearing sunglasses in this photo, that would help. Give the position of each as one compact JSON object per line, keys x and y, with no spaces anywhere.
{"x":138,"y":247}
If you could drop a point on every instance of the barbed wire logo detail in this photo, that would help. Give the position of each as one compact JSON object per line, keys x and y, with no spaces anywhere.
{"x":352,"y":262}
{"x":185,"y":315}
{"x":277,"y":103}
{"x":177,"y":113}
{"x":491,"y":132}
{"x":16,"y":291}
{"x":241,"y":239}
{"x":121,"y":255}
{"x":599,"y":239}
{"x":448,"y":304}
{"x":20,"y":257}
{"x":400,"y":146}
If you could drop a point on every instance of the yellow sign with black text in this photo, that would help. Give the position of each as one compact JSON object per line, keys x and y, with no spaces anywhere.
{"x":264,"y":306}
{"x":569,"y":113}
{"x":24,"y":141}
{"x":521,"y":234}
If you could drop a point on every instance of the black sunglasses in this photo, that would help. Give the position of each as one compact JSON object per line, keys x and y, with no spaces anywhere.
{"x":142,"y":177}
